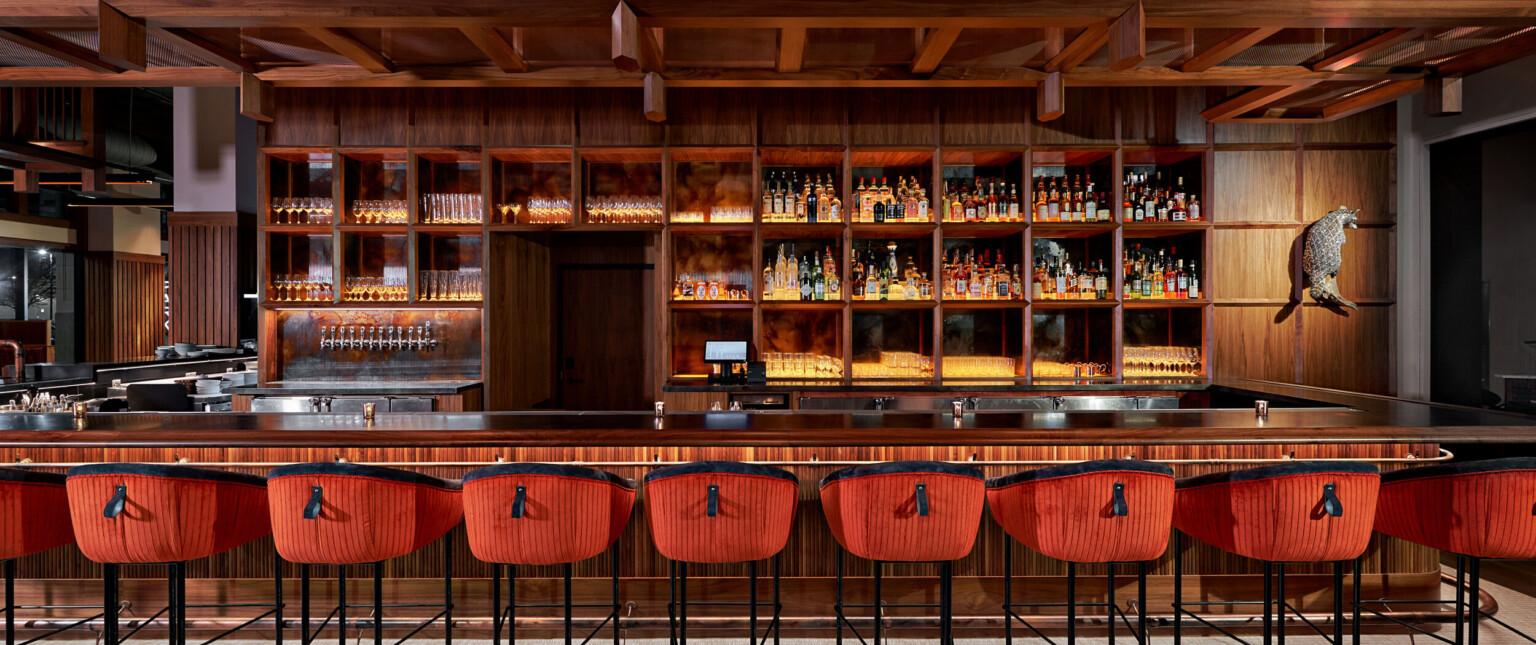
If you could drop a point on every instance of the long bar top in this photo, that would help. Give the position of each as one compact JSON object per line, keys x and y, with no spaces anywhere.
{"x":1356,"y":418}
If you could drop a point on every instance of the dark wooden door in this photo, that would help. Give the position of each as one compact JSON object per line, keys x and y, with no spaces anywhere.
{"x":602,"y":336}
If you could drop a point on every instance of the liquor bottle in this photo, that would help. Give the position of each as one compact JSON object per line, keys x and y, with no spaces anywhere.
{"x":835,"y":207}
{"x":1127,"y":208}
{"x":914,"y":209}
{"x":1194,"y":282}
{"x":1037,"y":282}
{"x":1002,"y":283}
{"x":778,"y":201}
{"x":1170,"y":278}
{"x":1013,"y":204}
{"x":813,"y":203}
{"x":1182,"y":287}
{"x":1053,"y":203}
{"x":972,"y":206}
{"x":829,"y":268}
{"x":978,"y":279}
{"x":818,"y":279}
{"x":962,"y":280}
{"x":876,"y":207}
{"x":767,"y":284}
{"x":1085,"y":282}
{"x":767,"y":202}
{"x":1063,"y":271}
{"x":1077,"y":199}
{"x":1041,"y":208}
{"x":921,"y":202}
{"x":1194,"y":208}
{"x":806,"y":283}
{"x":896,"y":210}
{"x":872,"y":272}
{"x":856,"y":275}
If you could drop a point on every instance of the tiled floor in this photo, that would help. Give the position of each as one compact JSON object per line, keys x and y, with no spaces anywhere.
{"x":1513,"y":586}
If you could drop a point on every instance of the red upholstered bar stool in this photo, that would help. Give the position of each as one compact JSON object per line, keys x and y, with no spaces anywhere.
{"x":1107,"y":511}
{"x":143,"y":514}
{"x":1306,"y":511}
{"x":30,"y":522}
{"x":537,"y":514}
{"x":717,"y":512}
{"x":344,"y":514}
{"x":904,"y":511}
{"x":1478,"y":510}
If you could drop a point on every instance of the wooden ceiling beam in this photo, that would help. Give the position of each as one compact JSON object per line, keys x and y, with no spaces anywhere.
{"x":1128,"y":39}
{"x":490,"y":41}
{"x":1081,"y":47}
{"x":1442,"y":95}
{"x":1050,"y":98}
{"x":60,"y":49}
{"x":635,"y":49}
{"x":609,"y":76}
{"x":936,"y":43}
{"x":1381,"y":94}
{"x":655,"y":98}
{"x":791,"y":50}
{"x":1248,"y":101}
{"x":256,"y":98}
{"x":1363,"y":50}
{"x":345,"y":44}
{"x":1227,"y":48}
{"x":1491,"y":55}
{"x":197,"y":47}
{"x":773,"y":15}
{"x":121,"y":40}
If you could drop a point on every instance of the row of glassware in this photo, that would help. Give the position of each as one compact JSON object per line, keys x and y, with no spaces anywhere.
{"x":624,"y":209}
{"x":540,"y":210}
{"x":389,"y":287}
{"x":716,"y":214}
{"x":449,"y":286}
{"x":802,"y":365}
{"x":301,"y":210}
{"x":379,"y":211}
{"x":314,"y":287}
{"x":1163,"y":361}
{"x":452,"y":208}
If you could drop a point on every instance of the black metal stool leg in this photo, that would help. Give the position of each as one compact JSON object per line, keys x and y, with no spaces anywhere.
{"x":10,"y":602}
{"x":1338,"y":603}
{"x":672,"y":600}
{"x":1141,"y":604}
{"x":616,"y":608}
{"x":1269,"y":602}
{"x":277,"y":597}
{"x":170,"y":603}
{"x":1109,"y":603}
{"x":1280,"y":603}
{"x":946,"y":612}
{"x":496,"y":611}
{"x":511,"y":604}
{"x":1354,"y":622}
{"x":752,"y":602}
{"x":838,"y":605}
{"x":1461,"y":598}
{"x":877,"y":602}
{"x":304,"y":604}
{"x":181,"y":603}
{"x":682,"y":602}
{"x":1071,"y":603}
{"x":1008,"y":592}
{"x":341,"y":594}
{"x":448,"y":588}
{"x":109,"y":604}
{"x":1474,"y":608}
{"x":1178,"y":588}
{"x":378,"y":603}
{"x":778,"y":607}
{"x":567,"y":603}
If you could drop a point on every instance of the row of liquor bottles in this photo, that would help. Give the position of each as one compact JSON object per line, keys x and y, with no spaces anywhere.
{"x":1159,"y":276}
{"x":812,"y":277}
{"x":1057,"y":278}
{"x":812,"y":202}
{"x":1156,"y":202}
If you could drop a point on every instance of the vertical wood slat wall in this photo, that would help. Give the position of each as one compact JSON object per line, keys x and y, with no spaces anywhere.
{"x":1265,"y":184}
{"x":204,"y":273}
{"x":125,"y":312}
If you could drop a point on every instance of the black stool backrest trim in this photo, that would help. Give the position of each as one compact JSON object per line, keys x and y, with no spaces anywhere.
{"x":166,"y":470}
{"x":561,"y":470}
{"x":1279,"y":470}
{"x":903,"y":467}
{"x":720,"y":467}
{"x":1461,"y":468}
{"x":26,"y":476}
{"x":362,"y":470}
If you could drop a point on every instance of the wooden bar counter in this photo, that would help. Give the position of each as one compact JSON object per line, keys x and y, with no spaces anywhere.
{"x":1390,"y":432}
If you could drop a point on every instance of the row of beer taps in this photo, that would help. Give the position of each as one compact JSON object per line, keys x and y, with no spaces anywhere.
{"x":382,"y":337}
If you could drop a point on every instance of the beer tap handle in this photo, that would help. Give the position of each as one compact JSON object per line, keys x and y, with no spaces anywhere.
{"x":427,"y":333}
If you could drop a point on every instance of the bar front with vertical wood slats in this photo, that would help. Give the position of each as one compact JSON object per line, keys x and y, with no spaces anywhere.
{"x":204,"y":278}
{"x":125,"y":312}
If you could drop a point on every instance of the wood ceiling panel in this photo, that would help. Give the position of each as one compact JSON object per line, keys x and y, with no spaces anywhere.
{"x":996,"y":48}
{"x":858,"y":47}
{"x":575,"y":47}
{"x":269,"y":45}
{"x":720,"y":47}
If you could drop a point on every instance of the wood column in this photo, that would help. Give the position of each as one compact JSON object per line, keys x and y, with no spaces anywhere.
{"x":204,"y":278}
{"x":124,"y":312}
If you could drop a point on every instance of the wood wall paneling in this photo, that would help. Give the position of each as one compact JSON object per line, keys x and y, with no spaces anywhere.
{"x":1161,"y":115}
{"x":801,"y":117}
{"x":1255,"y":342}
{"x":1371,"y":126}
{"x":1241,"y":133}
{"x":127,"y":316}
{"x":1369,"y":271}
{"x":520,"y":368}
{"x":530,"y":117}
{"x":902,"y":116}
{"x":369,"y":117}
{"x":984,"y":116}
{"x":1359,"y":179}
{"x":204,"y":275}
{"x":1255,"y":186}
{"x":302,"y":117}
{"x":1253,"y":264}
{"x":613,"y":117}
{"x":448,"y":116}
{"x":1089,"y":119}
{"x":707,"y":117}
{"x":1350,"y":350}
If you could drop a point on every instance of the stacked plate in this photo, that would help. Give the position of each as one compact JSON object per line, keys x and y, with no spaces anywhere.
{"x":208,"y":386}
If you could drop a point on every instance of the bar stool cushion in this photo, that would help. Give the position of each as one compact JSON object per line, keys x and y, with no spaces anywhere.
{"x":544,"y":513}
{"x":146,"y":513}
{"x":1305,"y":511}
{"x":1108,"y":510}
{"x":905,"y":511}
{"x":720,"y":511}
{"x":31,"y":512}
{"x":359,"y":513}
{"x":1476,"y":508}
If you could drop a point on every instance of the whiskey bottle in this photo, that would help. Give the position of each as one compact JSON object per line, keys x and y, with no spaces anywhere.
{"x":829,"y":268}
{"x":767,"y":212}
{"x":1042,"y":209}
{"x":1101,"y":283}
{"x":1194,"y":282}
{"x":876,"y":208}
{"x":921,"y":202}
{"x":856,"y":274}
{"x":818,"y":279}
{"x":767,"y":283}
{"x":1053,"y":204}
{"x":778,"y":200}
{"x":1013,"y":204}
{"x":1194,"y":208}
